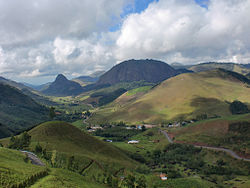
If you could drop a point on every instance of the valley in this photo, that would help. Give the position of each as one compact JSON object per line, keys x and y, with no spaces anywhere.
{"x":153,"y":129}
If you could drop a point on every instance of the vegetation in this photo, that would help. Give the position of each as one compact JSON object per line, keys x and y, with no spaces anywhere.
{"x":237,"y":107}
{"x":18,"y":111}
{"x":117,"y":133}
{"x":229,"y":132}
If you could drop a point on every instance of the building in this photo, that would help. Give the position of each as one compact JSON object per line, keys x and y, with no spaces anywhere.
{"x":133,"y":142}
{"x":163,"y":177}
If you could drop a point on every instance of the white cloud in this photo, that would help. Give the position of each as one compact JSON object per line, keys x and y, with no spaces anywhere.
{"x":179,"y":30}
{"x":43,"y":38}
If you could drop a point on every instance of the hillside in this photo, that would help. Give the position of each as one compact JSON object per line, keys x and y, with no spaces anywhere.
{"x":65,"y":138}
{"x":18,"y":111}
{"x":229,"y":132}
{"x":136,"y":70}
{"x":13,"y":83}
{"x":239,"y":68}
{"x":182,"y":97}
{"x":63,"y":87}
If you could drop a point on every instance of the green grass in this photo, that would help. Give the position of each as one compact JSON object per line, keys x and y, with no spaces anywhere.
{"x":146,"y":143}
{"x":14,"y":170}
{"x":65,"y":179}
{"x":139,"y":90}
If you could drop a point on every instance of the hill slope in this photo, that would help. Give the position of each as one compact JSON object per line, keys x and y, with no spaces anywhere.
{"x":239,"y":68}
{"x":63,"y":87}
{"x":135,"y":70}
{"x":182,"y":97}
{"x":66,"y":138}
{"x":18,"y":111}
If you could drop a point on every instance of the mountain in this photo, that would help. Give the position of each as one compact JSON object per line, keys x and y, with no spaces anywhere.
{"x":97,"y":74}
{"x":85,"y":80}
{"x":18,"y":111}
{"x":37,"y":87}
{"x":239,"y":68}
{"x":63,"y":87}
{"x":136,"y":70}
{"x":13,"y":83}
{"x":185,"y":96}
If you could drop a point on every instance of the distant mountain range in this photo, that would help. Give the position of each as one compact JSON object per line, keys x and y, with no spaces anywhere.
{"x":63,"y":87}
{"x":18,"y":111}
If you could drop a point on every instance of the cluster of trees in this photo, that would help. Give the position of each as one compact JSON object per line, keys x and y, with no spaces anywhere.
{"x":237,"y":107}
{"x":117,"y":133}
{"x":20,"y":142}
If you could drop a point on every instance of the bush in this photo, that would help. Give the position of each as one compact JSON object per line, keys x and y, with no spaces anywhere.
{"x":237,"y":107}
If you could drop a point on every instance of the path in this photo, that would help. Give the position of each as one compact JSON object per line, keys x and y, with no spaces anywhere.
{"x":33,"y":158}
{"x":230,"y":152}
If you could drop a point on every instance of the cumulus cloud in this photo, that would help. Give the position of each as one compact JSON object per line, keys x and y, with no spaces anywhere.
{"x":179,"y":30}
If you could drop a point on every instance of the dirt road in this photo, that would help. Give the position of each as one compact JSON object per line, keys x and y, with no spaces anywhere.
{"x":228,"y":151}
{"x":33,"y":158}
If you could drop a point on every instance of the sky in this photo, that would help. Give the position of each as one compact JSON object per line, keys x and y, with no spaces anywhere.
{"x":41,"y":38}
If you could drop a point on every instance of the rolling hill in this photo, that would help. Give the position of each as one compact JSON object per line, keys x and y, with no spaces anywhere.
{"x":182,"y":97}
{"x":63,"y":87}
{"x":137,"y":70}
{"x":228,"y":132}
{"x":239,"y":68}
{"x":18,"y":111}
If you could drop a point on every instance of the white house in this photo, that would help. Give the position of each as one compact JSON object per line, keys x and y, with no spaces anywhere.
{"x":133,"y":142}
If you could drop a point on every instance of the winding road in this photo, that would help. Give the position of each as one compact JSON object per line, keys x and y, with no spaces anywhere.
{"x":228,"y":151}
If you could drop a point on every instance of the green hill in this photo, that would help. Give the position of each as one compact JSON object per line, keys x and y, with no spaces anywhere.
{"x":182,"y":97}
{"x":230,"y":132}
{"x":239,"y":68}
{"x":18,"y":111}
{"x":64,"y":137}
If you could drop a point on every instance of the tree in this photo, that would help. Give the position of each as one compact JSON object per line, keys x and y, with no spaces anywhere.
{"x":52,"y":113}
{"x":38,"y":148}
{"x":237,"y":107}
{"x":54,"y":158}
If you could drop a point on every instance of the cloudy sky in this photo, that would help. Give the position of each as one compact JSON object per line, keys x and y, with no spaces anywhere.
{"x":41,"y":38}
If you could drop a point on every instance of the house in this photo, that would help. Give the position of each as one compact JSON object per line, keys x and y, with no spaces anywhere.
{"x":109,"y":141}
{"x":133,"y":142}
{"x":163,"y":177}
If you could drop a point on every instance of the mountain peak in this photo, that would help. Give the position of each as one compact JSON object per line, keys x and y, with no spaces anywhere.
{"x":61,"y":77}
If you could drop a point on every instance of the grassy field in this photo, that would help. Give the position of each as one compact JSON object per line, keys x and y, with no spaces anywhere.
{"x":15,"y":170}
{"x":182,"y":97}
{"x":65,"y":178}
{"x":139,"y":90}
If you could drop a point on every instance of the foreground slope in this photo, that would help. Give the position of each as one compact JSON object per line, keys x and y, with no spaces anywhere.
{"x":64,"y":137}
{"x":18,"y":111}
{"x":182,"y":97}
